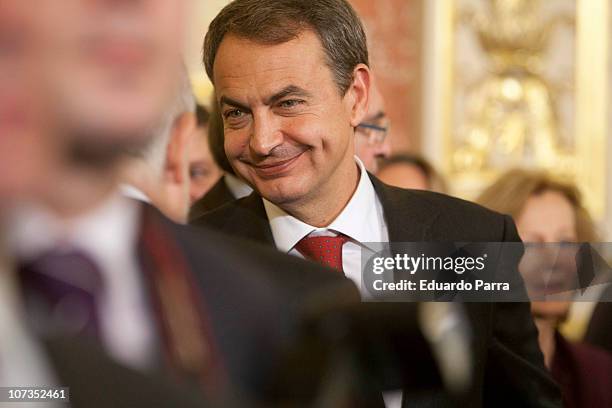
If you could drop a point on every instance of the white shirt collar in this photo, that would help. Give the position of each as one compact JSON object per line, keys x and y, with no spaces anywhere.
{"x":238,"y":187}
{"x":107,"y":230}
{"x":360,"y":220}
{"x":135,"y":193}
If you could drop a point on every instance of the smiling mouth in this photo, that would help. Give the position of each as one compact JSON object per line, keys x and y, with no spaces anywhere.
{"x":277,"y":169}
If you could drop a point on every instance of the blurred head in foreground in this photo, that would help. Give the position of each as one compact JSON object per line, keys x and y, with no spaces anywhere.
{"x":112,"y":68}
{"x":411,"y":171}
{"x":371,"y":135}
{"x":546,"y":211}
{"x":203,"y":170}
{"x":160,"y":169}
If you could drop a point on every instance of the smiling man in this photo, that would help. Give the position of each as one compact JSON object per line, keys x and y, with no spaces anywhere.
{"x":292,"y":82}
{"x":278,"y":132}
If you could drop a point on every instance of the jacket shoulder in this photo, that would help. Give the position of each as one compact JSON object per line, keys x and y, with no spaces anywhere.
{"x":449,"y":218}
{"x":245,"y":218}
{"x":216,"y":197}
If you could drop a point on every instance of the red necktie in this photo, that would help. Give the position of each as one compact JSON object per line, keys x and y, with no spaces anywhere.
{"x":325,"y":250}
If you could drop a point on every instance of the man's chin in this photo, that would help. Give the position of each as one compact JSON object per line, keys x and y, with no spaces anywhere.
{"x":281,"y":194}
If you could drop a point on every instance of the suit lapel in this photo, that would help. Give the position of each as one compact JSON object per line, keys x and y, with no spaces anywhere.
{"x":218,"y":195}
{"x":182,"y":314}
{"x":409,"y":217}
{"x":96,"y":380}
{"x":252,"y":221}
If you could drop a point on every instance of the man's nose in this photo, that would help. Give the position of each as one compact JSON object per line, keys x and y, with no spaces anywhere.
{"x":266,"y":136}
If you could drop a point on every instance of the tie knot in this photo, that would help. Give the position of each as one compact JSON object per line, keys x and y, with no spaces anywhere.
{"x":324,"y":250}
{"x":61,"y":289}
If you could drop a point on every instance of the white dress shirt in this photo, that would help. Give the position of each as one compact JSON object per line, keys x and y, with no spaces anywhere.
{"x":109,"y":235}
{"x":237,"y":187}
{"x":362,"y":220}
{"x":22,"y":361}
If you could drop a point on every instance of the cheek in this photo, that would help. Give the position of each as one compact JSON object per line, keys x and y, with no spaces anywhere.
{"x":236,"y":143}
{"x":322,"y":133}
{"x":204,"y":182}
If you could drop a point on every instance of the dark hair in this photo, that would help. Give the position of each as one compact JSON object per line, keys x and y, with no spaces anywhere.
{"x":278,"y":21}
{"x":435,"y":180}
{"x":216,"y":138}
{"x":202,"y":116}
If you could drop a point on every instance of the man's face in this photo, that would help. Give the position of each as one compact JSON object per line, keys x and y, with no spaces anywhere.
{"x":203,"y":171}
{"x":288,"y":130}
{"x":113,"y":63}
{"x":367,"y":146}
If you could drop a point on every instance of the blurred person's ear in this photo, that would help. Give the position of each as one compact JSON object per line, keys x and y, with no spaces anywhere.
{"x":175,"y":201}
{"x":177,"y":155}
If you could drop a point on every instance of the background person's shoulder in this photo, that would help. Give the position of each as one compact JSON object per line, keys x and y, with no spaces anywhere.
{"x":454,"y":219}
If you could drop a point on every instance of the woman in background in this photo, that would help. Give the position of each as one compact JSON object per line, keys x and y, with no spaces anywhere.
{"x":549,"y":211}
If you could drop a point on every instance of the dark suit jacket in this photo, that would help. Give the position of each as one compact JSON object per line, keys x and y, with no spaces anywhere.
{"x":253,"y":298}
{"x":96,"y":381}
{"x":218,"y":195}
{"x":599,"y":331}
{"x":509,"y":365}
{"x":583,"y":372}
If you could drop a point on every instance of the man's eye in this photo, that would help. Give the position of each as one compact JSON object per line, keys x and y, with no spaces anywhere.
{"x":234,"y":114}
{"x":196,"y":172}
{"x":291,"y":103}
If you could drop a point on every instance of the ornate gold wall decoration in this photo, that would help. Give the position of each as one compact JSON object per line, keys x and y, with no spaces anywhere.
{"x":524,"y":84}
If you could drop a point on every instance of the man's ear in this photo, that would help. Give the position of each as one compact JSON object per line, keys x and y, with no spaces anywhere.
{"x":359,"y":93}
{"x":177,"y":154}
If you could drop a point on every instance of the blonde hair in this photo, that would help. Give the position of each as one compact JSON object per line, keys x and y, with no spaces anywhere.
{"x":510,"y":193}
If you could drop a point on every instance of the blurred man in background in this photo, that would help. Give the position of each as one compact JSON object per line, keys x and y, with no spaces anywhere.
{"x":371,"y":135}
{"x":159,"y":172}
{"x":203,"y":169}
{"x":411,"y":171}
{"x":229,"y":187}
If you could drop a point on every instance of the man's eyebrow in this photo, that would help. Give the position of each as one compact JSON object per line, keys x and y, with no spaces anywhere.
{"x":290,"y":90}
{"x":224,"y":100}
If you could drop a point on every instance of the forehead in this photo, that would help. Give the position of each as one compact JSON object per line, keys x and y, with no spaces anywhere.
{"x":548,"y":210}
{"x":242,"y":64}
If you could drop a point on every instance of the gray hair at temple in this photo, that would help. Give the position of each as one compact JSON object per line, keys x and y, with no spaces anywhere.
{"x":154,"y":153}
